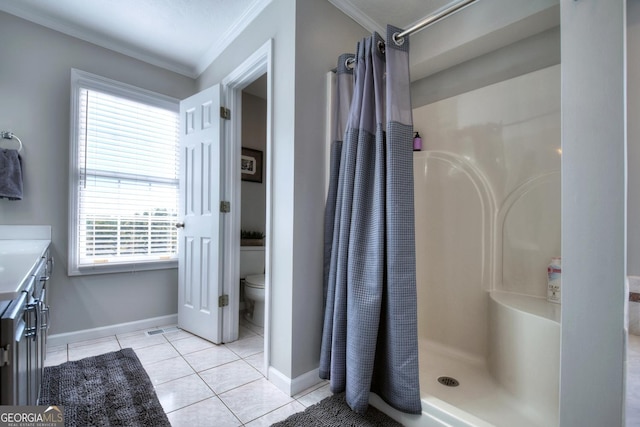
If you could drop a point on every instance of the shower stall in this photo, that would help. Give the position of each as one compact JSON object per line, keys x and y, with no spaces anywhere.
{"x":487,"y":209}
{"x":487,"y":223}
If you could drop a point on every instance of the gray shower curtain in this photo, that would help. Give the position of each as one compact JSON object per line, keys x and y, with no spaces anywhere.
{"x":369,"y":340}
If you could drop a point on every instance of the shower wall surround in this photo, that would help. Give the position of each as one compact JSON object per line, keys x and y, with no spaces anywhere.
{"x":487,"y":202}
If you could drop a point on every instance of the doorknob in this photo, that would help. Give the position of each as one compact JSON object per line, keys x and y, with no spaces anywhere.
{"x":180,"y":225}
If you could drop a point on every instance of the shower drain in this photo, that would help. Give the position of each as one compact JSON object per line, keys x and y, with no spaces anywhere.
{"x":448,"y":381}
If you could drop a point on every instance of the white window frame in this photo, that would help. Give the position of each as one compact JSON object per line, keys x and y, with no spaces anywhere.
{"x":83,"y":80}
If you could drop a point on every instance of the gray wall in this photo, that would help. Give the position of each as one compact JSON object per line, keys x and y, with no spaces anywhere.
{"x":35,"y":90}
{"x":308,"y":36}
{"x":254,"y":135}
{"x":277,"y":22}
{"x":322,"y":34}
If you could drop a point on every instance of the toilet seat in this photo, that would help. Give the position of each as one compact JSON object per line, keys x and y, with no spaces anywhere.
{"x":255,"y":281}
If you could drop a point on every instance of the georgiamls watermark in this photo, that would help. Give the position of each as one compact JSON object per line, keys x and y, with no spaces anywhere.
{"x":31,"y":416}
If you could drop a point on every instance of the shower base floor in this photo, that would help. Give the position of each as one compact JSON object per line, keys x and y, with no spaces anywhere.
{"x":477,"y":393}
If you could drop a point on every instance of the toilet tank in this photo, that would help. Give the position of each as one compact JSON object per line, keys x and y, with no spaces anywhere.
{"x":251,"y":260}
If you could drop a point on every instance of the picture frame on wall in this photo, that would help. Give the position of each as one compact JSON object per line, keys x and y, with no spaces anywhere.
{"x":251,"y":165}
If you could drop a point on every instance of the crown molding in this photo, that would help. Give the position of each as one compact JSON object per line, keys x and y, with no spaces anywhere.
{"x":229,"y":36}
{"x":359,"y":16}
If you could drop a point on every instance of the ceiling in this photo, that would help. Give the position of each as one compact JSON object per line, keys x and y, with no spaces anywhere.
{"x":185,"y":36}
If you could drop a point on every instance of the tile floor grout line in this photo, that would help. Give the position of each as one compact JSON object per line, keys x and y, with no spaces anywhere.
{"x":227,"y":406}
{"x":191,"y":404}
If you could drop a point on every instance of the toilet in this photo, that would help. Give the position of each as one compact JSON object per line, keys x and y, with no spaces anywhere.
{"x":254,"y":298}
{"x":252,"y":274}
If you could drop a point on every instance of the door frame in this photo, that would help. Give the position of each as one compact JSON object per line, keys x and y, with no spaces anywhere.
{"x":259,"y":63}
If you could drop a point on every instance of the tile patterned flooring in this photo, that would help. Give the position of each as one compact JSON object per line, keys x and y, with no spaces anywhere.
{"x":197,"y":381}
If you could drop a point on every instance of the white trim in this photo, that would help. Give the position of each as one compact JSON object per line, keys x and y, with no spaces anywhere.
{"x":296,"y":385}
{"x":253,"y":67}
{"x":259,"y":63}
{"x":304,"y":381}
{"x":106,"y":331}
{"x":279,"y":380}
{"x":124,"y":90}
{"x":132,"y":267}
{"x":230,"y":35}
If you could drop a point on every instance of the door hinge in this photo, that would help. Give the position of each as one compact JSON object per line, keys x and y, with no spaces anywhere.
{"x":4,"y":355}
{"x":225,"y":207}
{"x":225,"y":113}
{"x":223,"y":300}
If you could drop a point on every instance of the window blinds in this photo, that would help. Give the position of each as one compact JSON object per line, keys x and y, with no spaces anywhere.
{"x":128,"y":184}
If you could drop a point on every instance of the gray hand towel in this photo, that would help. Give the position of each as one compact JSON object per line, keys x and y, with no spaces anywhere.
{"x":10,"y":175}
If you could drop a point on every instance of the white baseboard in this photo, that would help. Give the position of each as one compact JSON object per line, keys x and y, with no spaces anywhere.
{"x":105,"y":331}
{"x":295,"y":385}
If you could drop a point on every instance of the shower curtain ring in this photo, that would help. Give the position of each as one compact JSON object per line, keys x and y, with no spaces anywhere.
{"x":381,"y":47}
{"x":399,"y":41}
{"x":349,"y":63}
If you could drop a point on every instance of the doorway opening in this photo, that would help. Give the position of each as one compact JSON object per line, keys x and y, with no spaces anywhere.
{"x":253,"y":206}
{"x":247,"y":186}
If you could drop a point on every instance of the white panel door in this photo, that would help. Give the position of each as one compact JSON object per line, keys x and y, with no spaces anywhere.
{"x":199,"y":272}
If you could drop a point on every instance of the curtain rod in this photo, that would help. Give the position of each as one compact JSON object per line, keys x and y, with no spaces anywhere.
{"x":398,"y":38}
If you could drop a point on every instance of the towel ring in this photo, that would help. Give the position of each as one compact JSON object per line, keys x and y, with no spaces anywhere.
{"x":11,"y":135}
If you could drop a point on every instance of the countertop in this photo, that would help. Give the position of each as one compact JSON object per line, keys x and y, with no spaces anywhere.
{"x":19,"y":256}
